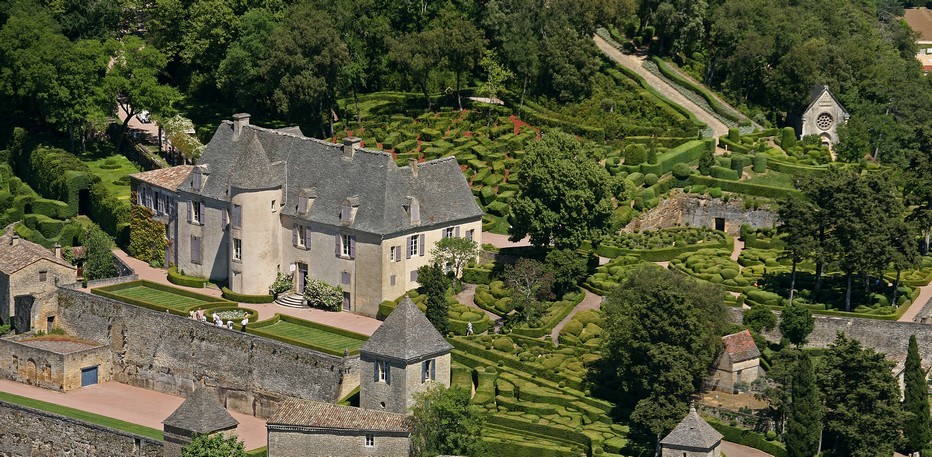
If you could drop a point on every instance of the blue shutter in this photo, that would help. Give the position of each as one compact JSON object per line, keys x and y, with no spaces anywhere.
{"x":433,"y":369}
{"x":423,"y":372}
{"x":421,"y":246}
{"x":189,"y":211}
{"x":375,"y":371}
{"x":202,"y":213}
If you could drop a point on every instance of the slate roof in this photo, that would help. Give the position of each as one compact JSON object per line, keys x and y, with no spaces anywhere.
{"x":201,"y":413}
{"x":264,"y":158}
{"x":740,"y":346}
{"x":314,"y":414}
{"x":693,"y":432}
{"x":815,"y":92}
{"x":920,"y":20}
{"x":15,"y":258}
{"x":166,"y":178}
{"x":406,"y":335}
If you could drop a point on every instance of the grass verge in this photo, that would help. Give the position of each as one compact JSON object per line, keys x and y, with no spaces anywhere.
{"x":85,"y":416}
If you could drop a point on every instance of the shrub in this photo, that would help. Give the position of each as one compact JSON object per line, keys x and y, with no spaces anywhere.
{"x":282,"y":283}
{"x":725,"y":173}
{"x":681,"y":171}
{"x":181,"y":279}
{"x":635,"y":154}
{"x":650,"y":179}
{"x":734,"y":134}
{"x":715,"y":192}
{"x":759,"y":163}
{"x":504,"y":344}
{"x":787,"y":137}
{"x":321,"y":295}
{"x":245,"y":298}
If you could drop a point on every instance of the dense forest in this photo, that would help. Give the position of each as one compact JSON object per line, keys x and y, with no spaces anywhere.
{"x":294,"y":61}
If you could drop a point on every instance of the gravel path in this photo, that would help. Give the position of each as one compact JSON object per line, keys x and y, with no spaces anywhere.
{"x":591,"y":301}
{"x":736,"y":450}
{"x":635,"y":64}
{"x":466,"y":297}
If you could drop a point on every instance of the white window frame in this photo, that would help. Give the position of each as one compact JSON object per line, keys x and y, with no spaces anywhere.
{"x":346,"y":247}
{"x":392,"y":253}
{"x":449,"y":232}
{"x":380,"y":365}
{"x":470,"y":234}
{"x":370,"y":440}
{"x":196,"y":212}
{"x":302,"y":237}
{"x":429,"y":370}
{"x":161,"y":203}
{"x":413,"y":245}
{"x":237,"y":249}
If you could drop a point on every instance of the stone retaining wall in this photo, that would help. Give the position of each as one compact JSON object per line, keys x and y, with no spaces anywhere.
{"x":28,"y":432}
{"x":172,"y":354}
{"x":701,"y":211}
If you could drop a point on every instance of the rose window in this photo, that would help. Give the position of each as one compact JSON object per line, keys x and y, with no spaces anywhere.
{"x":824,"y":121}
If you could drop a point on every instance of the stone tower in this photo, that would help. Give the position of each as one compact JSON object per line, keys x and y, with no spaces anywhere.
{"x":692,"y":437}
{"x":200,"y":414}
{"x":404,"y":356}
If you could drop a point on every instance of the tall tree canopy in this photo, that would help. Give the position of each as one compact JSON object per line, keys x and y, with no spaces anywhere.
{"x":917,"y":430}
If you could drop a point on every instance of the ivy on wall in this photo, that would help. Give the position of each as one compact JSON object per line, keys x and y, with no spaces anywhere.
{"x":147,"y":236}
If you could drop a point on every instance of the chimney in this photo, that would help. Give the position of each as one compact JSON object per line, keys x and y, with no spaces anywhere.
{"x":57,"y":250}
{"x":14,"y":240}
{"x":240,"y":120}
{"x":412,"y":162}
{"x":350,"y":144}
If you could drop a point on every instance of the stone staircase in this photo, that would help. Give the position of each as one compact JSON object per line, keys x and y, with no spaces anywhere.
{"x":290,"y":300}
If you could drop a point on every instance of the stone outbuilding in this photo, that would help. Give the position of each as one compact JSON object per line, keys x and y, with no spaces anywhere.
{"x":320,"y":429}
{"x":823,"y":116}
{"x":738,"y":364}
{"x":200,"y":414}
{"x":29,"y":276}
{"x":405,"y":355}
{"x":692,"y":437}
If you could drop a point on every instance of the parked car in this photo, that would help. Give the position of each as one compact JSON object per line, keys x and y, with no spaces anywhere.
{"x":144,"y":117}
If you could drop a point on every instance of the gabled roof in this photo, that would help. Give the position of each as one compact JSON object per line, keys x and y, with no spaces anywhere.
{"x":166,"y":178}
{"x":263,"y":158}
{"x":201,"y":413}
{"x":740,"y":346}
{"x":920,"y":20}
{"x":15,"y":258}
{"x":693,"y":432}
{"x":406,"y":335}
{"x":314,"y":414}
{"x":815,"y":93}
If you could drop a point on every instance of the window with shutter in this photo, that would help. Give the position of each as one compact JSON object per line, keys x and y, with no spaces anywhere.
{"x":391,"y":280}
{"x":200,"y":219}
{"x":469,"y":234}
{"x":398,"y":252}
{"x":345,"y":277}
{"x":352,"y":252}
{"x":294,"y":235}
{"x":337,"y":246}
{"x":388,"y":373}
{"x":302,"y":204}
{"x":190,"y":212}
{"x":307,"y":237}
{"x":414,"y":275}
{"x":237,"y":216}
{"x":422,"y":245}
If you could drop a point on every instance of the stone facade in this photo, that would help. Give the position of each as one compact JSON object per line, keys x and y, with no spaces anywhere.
{"x":406,"y":381}
{"x":30,"y":432}
{"x":157,"y":190}
{"x":702,"y":211}
{"x":292,"y":441}
{"x":39,"y":279}
{"x":172,"y":354}
{"x":823,"y":116}
{"x":61,"y":371}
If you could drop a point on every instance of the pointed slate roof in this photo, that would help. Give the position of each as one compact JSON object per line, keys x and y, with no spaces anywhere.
{"x":815,"y":93}
{"x":693,"y":432}
{"x":201,"y":413}
{"x":406,"y":335}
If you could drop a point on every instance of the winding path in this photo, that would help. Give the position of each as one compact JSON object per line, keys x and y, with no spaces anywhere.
{"x":635,"y":64}
{"x":591,"y":301}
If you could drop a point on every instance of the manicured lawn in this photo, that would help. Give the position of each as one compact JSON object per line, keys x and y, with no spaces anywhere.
{"x":168,"y":299}
{"x":311,"y":335}
{"x":83,"y":416}
{"x":773,"y":178}
{"x":112,"y":168}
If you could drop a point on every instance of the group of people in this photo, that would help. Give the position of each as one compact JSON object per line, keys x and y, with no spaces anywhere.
{"x":201,"y":315}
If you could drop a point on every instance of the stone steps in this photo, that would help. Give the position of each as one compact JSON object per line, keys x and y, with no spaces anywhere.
{"x":291,"y":300}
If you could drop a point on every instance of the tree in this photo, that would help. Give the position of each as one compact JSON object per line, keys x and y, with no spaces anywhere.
{"x":862,"y":400}
{"x":435,"y":284}
{"x":462,"y":46}
{"x":322,"y":295}
{"x":917,"y":430}
{"x":446,"y":423}
{"x":495,"y":77}
{"x":241,"y":75}
{"x":567,"y":267}
{"x":564,"y":198}
{"x":706,"y":161}
{"x":796,"y":323}
{"x":797,"y":222}
{"x":417,"y":55}
{"x":454,"y":253}
{"x":662,"y":331}
{"x":804,"y":426}
{"x":527,"y":278}
{"x":760,"y":318}
{"x":214,"y":445}
{"x":99,"y":262}
{"x":779,"y":386}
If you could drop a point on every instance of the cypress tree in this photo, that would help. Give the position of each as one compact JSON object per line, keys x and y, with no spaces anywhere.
{"x":804,"y":426}
{"x":916,"y":430}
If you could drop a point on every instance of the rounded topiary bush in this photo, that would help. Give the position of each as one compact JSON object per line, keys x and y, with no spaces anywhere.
{"x":504,"y":344}
{"x":715,"y":192}
{"x":650,"y":179}
{"x":635,"y":154}
{"x":681,"y":171}
{"x":759,"y":164}
{"x":573,"y":327}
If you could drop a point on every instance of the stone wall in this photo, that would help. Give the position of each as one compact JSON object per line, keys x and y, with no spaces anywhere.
{"x":888,"y":337}
{"x":173,"y":354}
{"x":29,"y":432}
{"x":701,"y":211}
{"x":48,"y":369}
{"x":285,"y":441}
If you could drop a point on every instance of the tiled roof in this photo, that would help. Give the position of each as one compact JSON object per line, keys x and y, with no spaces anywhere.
{"x":14,"y":258}
{"x":920,"y":20}
{"x":324,"y":415}
{"x":166,"y":178}
{"x":740,"y":346}
{"x":694,"y":432}
{"x":201,"y":413}
{"x":406,"y":335}
{"x":263,"y":158}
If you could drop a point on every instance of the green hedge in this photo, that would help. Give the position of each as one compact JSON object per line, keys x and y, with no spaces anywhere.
{"x":748,"y":438}
{"x":560,"y":310}
{"x":725,"y":173}
{"x":208,"y":301}
{"x":743,"y":187}
{"x":244,"y":298}
{"x":663,"y":254}
{"x":684,"y":153}
{"x":794,"y":169}
{"x":175,"y":277}
{"x":702,"y":91}
{"x":257,"y":330}
{"x":669,"y":104}
{"x":476,"y":275}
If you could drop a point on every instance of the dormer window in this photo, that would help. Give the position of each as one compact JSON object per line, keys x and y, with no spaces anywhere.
{"x":413,"y":209}
{"x":306,"y":199}
{"x":348,"y":211}
{"x":198,"y":179}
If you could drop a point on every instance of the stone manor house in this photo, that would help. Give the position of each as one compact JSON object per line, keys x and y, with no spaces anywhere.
{"x":261,"y":202}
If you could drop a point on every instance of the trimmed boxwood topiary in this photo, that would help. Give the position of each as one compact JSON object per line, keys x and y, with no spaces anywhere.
{"x":180,"y":279}
{"x":245,"y":298}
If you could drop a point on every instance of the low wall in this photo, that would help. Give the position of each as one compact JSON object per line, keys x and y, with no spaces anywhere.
{"x":173,"y":354}
{"x":28,"y":432}
{"x":888,"y":337}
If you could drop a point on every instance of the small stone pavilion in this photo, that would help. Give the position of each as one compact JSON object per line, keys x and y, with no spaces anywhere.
{"x":692,"y":437}
{"x":738,"y":364}
{"x":200,"y":414}
{"x":406,"y":355}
